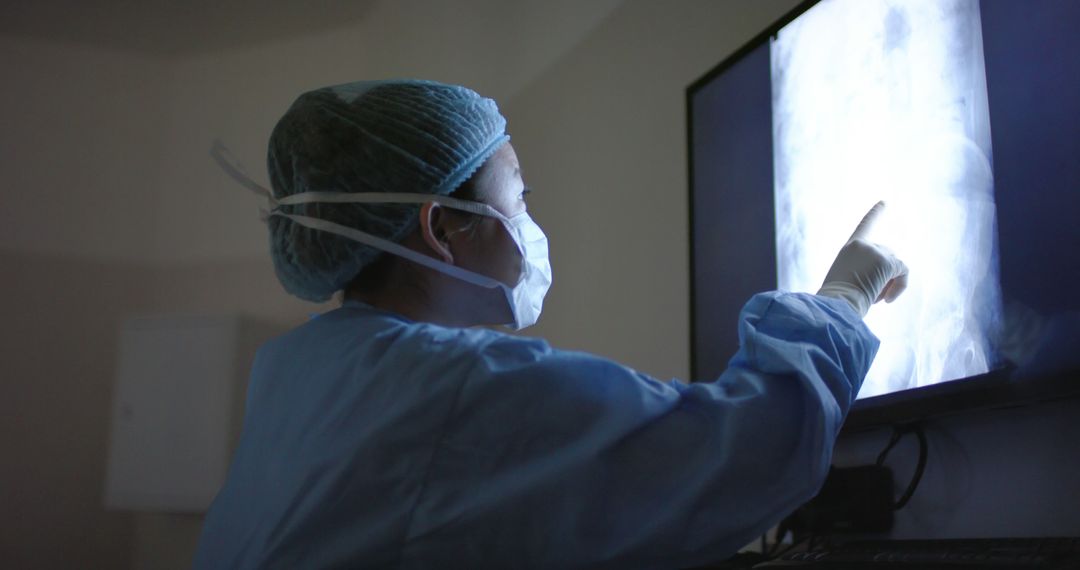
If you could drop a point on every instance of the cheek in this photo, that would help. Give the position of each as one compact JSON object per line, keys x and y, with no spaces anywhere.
{"x":500,"y":256}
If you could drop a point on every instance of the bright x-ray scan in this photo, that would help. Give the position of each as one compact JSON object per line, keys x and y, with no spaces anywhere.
{"x":887,"y":99}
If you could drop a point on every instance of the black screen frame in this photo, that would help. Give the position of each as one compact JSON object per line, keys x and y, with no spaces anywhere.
{"x":993,"y":390}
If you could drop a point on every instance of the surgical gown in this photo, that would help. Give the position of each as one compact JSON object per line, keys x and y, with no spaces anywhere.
{"x":370,"y":441}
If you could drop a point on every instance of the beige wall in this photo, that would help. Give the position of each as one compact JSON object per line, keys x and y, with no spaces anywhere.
{"x":79,"y":146}
{"x":111,"y":208}
{"x":61,"y":314}
{"x":78,"y":133}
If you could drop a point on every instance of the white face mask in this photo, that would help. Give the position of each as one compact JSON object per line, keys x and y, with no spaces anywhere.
{"x":525,"y":299}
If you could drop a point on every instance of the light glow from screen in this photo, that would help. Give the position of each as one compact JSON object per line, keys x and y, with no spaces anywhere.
{"x":886,"y":99}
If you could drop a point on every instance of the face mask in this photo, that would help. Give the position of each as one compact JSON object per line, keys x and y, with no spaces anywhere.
{"x":525,"y":299}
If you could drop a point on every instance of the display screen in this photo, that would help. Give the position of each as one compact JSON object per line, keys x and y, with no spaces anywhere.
{"x":963,"y":116}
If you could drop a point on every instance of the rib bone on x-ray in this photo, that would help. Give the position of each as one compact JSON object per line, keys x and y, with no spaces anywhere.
{"x":886,"y":99}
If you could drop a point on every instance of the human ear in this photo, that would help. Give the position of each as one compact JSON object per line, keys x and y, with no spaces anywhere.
{"x":432,"y":220}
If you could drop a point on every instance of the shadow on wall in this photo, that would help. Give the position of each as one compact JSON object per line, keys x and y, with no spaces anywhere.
{"x":990,"y":473}
{"x":54,"y":421}
{"x":59,"y":372}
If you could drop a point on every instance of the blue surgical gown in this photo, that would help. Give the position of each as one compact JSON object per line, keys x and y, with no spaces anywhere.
{"x":370,"y":441}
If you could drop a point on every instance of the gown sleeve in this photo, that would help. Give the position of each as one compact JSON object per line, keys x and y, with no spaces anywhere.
{"x":564,"y":459}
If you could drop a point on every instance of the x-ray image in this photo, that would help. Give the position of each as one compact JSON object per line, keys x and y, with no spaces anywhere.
{"x":887,"y":99}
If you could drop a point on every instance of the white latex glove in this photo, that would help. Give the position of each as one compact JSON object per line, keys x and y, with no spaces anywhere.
{"x":865,"y":273}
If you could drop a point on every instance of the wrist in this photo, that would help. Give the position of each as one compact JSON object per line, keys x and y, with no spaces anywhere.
{"x":855,"y":297}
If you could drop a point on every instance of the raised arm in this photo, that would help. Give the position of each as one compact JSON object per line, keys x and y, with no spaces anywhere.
{"x":563,"y":459}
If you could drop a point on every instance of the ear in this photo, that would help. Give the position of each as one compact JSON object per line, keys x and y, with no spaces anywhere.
{"x":432,"y":221}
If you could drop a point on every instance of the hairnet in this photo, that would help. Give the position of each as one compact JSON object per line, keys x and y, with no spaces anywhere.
{"x":410,"y":136}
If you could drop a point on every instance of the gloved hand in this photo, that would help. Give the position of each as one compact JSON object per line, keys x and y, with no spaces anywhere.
{"x":865,"y":273}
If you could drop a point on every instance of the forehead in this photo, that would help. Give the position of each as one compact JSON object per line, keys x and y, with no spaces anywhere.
{"x":504,"y":162}
{"x":499,"y":179}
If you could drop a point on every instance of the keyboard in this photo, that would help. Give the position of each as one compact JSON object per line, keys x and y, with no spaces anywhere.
{"x":1055,"y":553}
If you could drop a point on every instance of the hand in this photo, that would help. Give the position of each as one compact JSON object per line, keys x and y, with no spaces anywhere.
{"x":865,"y":273}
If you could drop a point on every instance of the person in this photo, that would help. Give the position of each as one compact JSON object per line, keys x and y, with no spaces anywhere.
{"x":394,"y":432}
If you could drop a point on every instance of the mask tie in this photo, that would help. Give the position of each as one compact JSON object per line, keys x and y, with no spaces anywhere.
{"x":228,"y":163}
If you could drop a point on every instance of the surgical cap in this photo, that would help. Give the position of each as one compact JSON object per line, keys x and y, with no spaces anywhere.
{"x":410,"y":136}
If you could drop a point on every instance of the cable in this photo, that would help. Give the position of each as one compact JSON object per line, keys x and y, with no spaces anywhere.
{"x":898,"y":433}
{"x":919,"y":468}
{"x":781,"y":532}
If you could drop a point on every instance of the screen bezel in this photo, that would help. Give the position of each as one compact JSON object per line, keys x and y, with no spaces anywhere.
{"x":992,"y":390}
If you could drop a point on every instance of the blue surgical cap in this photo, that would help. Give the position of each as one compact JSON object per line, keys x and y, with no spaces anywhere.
{"x":412,"y":136}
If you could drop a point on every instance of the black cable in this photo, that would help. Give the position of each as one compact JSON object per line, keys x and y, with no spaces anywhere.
{"x":781,"y":532}
{"x":898,"y":433}
{"x":919,"y":468}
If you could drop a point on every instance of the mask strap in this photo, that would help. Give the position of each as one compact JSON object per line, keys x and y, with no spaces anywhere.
{"x":394,"y":248}
{"x":391,"y":198}
{"x":225,"y":159}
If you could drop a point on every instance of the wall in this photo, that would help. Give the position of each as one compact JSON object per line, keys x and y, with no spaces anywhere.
{"x":77,"y":148}
{"x":992,"y":473}
{"x":61,"y":317}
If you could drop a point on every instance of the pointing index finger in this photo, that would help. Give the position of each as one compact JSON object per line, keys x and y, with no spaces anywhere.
{"x":868,"y":221}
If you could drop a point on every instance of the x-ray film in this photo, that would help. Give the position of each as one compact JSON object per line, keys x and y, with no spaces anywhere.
{"x":886,"y":99}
